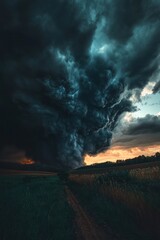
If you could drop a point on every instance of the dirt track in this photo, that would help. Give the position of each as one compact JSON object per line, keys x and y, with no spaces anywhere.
{"x":87,"y":229}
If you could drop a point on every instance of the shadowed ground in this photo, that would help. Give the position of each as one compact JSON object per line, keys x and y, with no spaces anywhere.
{"x":120,"y":204}
{"x":34,"y":208}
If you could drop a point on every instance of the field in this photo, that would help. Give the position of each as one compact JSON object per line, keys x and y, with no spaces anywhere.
{"x":34,"y":208}
{"x":126,"y":200}
{"x":118,"y":203}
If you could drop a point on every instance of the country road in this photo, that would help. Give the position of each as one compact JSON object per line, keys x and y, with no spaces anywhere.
{"x":87,"y":229}
{"x":85,"y":226}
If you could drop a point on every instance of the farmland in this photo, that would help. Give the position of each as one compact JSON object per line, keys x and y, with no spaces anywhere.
{"x":34,"y":208}
{"x":120,"y":202}
{"x":127,"y":200}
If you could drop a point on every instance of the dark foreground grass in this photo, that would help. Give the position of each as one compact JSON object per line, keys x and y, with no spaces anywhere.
{"x":127,"y":201}
{"x":34,"y":208}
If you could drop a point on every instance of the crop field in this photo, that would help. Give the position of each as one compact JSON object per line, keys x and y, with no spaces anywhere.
{"x":119,"y":204}
{"x":127,"y":200}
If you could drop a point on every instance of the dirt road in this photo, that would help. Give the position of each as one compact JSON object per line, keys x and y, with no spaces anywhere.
{"x":86,"y":228}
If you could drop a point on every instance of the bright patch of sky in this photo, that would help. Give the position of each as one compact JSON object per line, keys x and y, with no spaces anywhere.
{"x":149,"y":105}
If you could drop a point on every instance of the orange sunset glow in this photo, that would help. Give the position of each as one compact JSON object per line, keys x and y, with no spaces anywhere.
{"x":26,"y":161}
{"x":119,"y":153}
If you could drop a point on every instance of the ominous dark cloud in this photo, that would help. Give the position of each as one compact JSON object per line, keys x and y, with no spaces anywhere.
{"x":148,"y":124}
{"x":139,"y":132}
{"x":12,"y":154}
{"x":156,"y":87}
{"x":65,"y":66}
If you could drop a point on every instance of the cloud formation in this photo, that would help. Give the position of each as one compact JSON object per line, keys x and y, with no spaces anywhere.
{"x":140,"y":132}
{"x":156,"y":88}
{"x":65,"y":68}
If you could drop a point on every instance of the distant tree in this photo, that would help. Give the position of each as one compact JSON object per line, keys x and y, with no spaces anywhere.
{"x":119,"y":161}
{"x":157,"y":154}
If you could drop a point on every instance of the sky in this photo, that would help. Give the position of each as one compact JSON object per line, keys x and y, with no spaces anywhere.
{"x":79,"y":78}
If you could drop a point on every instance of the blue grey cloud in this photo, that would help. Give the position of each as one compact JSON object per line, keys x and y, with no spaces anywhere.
{"x":140,"y":132}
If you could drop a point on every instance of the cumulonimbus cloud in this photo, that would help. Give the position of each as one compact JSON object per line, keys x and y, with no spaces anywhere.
{"x":64,"y":68}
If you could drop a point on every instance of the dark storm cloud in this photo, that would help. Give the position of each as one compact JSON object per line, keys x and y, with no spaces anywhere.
{"x":12,"y":154}
{"x":146,"y":125}
{"x":65,"y":67}
{"x":134,"y":27}
{"x":139,"y":132}
{"x":156,"y":88}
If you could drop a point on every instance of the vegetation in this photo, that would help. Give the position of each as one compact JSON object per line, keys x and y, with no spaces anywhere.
{"x":101,"y":167}
{"x":123,"y":197}
{"x":34,"y":208}
{"x":126,"y":199}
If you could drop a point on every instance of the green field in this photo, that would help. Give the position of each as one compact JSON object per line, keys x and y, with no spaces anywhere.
{"x":34,"y":208}
{"x":121,"y":203}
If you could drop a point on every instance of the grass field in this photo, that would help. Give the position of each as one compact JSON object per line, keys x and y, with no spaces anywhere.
{"x":34,"y":208}
{"x":122,"y":203}
{"x":126,"y":199}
